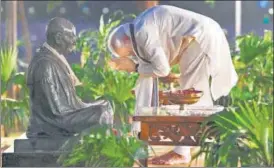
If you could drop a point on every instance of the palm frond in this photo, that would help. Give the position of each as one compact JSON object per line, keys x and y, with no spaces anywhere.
{"x":247,"y":130}
{"x":8,"y":56}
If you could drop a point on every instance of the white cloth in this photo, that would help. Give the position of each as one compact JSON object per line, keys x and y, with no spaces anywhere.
{"x":74,"y":78}
{"x":143,"y":93}
{"x":194,"y":73}
{"x":159,"y":32}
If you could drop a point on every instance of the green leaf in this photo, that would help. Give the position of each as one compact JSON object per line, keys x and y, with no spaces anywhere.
{"x":108,"y":151}
{"x":11,"y":111}
{"x":268,"y":36}
{"x":254,"y":142}
{"x":8,"y":56}
{"x":19,"y":78}
{"x":102,"y":25}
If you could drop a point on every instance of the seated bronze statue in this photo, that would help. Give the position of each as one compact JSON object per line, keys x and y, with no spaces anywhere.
{"x":55,"y":108}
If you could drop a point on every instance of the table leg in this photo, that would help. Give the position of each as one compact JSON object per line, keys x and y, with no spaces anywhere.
{"x":143,"y":135}
{"x":144,"y":132}
{"x":144,"y":162}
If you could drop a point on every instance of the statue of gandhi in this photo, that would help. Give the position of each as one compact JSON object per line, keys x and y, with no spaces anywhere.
{"x":55,"y":108}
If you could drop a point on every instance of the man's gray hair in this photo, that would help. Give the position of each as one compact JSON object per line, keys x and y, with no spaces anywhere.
{"x":115,"y":38}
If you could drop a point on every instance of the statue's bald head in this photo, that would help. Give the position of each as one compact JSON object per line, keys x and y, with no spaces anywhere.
{"x":58,"y":24}
{"x":61,"y":34}
{"x":119,"y":42}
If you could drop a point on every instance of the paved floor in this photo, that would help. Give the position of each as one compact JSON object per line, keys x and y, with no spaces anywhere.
{"x":9,"y":141}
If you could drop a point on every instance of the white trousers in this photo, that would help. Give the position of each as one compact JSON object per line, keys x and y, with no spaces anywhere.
{"x":194,"y":73}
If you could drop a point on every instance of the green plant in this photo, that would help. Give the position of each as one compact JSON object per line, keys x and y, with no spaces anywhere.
{"x":99,"y":81}
{"x":242,"y":135}
{"x":254,"y":65}
{"x":111,"y":85}
{"x":12,"y":110}
{"x":8,"y":62}
{"x":103,"y":149}
{"x":175,"y":69}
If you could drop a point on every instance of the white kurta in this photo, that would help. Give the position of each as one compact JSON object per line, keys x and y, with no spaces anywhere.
{"x":159,"y":31}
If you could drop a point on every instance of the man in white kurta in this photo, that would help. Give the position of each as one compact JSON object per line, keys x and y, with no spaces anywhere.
{"x":166,"y":35}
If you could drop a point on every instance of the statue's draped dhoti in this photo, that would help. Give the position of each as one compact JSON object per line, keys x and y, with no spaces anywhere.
{"x":55,"y":108}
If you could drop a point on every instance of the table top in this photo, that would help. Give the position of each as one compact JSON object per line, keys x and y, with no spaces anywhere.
{"x":173,"y":113}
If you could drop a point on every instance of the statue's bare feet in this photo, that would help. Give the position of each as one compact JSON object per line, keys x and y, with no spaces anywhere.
{"x":171,"y":158}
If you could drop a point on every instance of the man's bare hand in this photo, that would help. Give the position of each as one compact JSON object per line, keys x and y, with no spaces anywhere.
{"x":171,"y":78}
{"x":123,"y":64}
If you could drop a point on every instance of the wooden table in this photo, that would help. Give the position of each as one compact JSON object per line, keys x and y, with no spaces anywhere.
{"x":159,"y":127}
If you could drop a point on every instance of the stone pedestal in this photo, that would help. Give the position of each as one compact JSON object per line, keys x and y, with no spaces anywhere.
{"x":35,"y":153}
{"x":26,"y":159}
{"x":39,"y":145}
